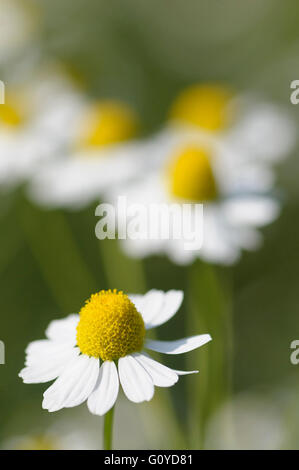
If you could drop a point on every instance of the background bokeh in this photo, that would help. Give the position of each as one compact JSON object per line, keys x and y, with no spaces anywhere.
{"x":50,"y":261}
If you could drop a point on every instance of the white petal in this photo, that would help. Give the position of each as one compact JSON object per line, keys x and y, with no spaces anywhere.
{"x":246,"y":237}
{"x":252,"y":211}
{"x":136,"y":382}
{"x":161,"y":375}
{"x":46,"y":360}
{"x":217,"y":246}
{"x":63,"y":331}
{"x":137,"y":300}
{"x":151,"y":304}
{"x":186,"y":372}
{"x":43,"y":347}
{"x":264,"y":133}
{"x":157,"y":307}
{"x":105,"y":393}
{"x":82,"y":177}
{"x":178,"y":254}
{"x":178,"y":347}
{"x":171,"y":303}
{"x":74,"y":385}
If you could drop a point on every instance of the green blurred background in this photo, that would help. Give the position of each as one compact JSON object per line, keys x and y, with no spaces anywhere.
{"x":50,"y":261}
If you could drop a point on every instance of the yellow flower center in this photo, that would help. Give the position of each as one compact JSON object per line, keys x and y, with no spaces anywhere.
{"x":191,"y":176}
{"x":37,"y":443}
{"x":10,"y":115}
{"x":205,"y":106}
{"x":110,"y":327}
{"x":107,"y":123}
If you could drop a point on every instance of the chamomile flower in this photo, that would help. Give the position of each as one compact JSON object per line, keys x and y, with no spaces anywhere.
{"x":217,"y":150}
{"x":34,"y":122}
{"x":91,"y":353}
{"x":196,"y":168}
{"x":204,"y":106}
{"x":258,"y":423}
{"x":101,"y":153}
{"x":251,"y":128}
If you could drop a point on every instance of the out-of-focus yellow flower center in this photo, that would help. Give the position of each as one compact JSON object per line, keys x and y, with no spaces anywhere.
{"x":205,"y":106}
{"x":107,"y":123}
{"x":37,"y":443}
{"x":191,"y":176}
{"x":10,"y":115}
{"x":110,"y":327}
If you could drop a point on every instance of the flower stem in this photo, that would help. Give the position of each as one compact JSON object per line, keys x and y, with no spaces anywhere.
{"x":108,"y":429}
{"x":210,"y":312}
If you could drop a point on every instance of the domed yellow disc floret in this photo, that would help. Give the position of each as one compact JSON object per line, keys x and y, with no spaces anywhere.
{"x":191,"y":176}
{"x":106,"y":123}
{"x":205,"y":106}
{"x":110,"y":327}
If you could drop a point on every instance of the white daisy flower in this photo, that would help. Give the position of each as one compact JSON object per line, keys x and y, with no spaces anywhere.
{"x":218,"y":150}
{"x":18,"y":23}
{"x":48,"y":441}
{"x":91,"y":353}
{"x":248,"y":421}
{"x":251,"y":128}
{"x":101,"y":153}
{"x":190,"y":167}
{"x":34,"y":123}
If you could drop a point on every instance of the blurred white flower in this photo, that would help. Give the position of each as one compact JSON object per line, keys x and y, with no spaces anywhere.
{"x":191,"y":167}
{"x":92,"y":352}
{"x":248,"y":422}
{"x":50,"y":440}
{"x":18,"y":22}
{"x":35,"y":123}
{"x":101,"y":153}
{"x":219,"y":150}
{"x":251,"y":128}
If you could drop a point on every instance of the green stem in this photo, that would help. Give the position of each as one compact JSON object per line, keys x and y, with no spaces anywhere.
{"x":108,"y":429}
{"x":210,"y":312}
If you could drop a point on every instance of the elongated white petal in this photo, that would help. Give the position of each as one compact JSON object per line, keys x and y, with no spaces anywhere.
{"x":252,"y":210}
{"x":265,"y":133}
{"x":186,"y":372}
{"x":136,"y":382}
{"x":63,"y":331}
{"x":44,"y":348}
{"x":152,"y":304}
{"x":157,"y":307}
{"x":172,"y":301}
{"x":217,"y":245}
{"x":74,"y":385}
{"x":46,"y":360}
{"x":161,"y":375}
{"x":106,"y":390}
{"x":178,"y":347}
